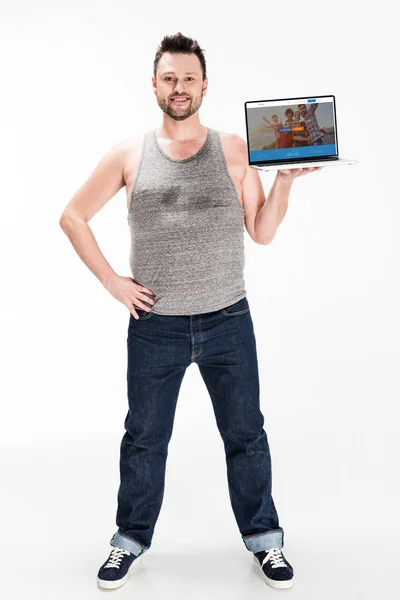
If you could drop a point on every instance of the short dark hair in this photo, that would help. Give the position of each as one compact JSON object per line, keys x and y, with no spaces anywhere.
{"x":289,"y":110}
{"x":274,"y":116}
{"x":179,"y":44}
{"x":302,"y":105}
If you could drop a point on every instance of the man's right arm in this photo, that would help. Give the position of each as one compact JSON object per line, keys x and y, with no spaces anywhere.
{"x":104,"y":182}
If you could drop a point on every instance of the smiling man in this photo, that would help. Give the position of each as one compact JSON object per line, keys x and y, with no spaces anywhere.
{"x":190,"y":194}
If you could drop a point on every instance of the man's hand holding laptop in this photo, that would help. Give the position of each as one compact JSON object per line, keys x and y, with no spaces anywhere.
{"x":290,"y":174}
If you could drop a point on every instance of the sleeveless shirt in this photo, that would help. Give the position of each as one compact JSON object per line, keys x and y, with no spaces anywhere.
{"x":186,"y":226}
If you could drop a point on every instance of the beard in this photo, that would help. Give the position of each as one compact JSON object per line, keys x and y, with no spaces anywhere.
{"x":177,"y":112}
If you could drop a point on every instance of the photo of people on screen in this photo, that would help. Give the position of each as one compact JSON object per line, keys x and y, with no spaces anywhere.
{"x":291,"y":126}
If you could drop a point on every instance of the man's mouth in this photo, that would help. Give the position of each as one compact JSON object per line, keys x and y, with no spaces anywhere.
{"x":180,"y":100}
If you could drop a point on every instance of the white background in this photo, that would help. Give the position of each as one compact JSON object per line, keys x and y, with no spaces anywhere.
{"x":324,"y":297}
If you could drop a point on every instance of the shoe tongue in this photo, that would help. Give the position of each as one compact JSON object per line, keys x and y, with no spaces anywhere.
{"x":122,"y":550}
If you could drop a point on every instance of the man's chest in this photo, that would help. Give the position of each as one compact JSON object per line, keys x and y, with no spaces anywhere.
{"x":234,"y":161}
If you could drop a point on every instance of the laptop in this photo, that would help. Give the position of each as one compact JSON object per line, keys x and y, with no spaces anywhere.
{"x":291,"y":133}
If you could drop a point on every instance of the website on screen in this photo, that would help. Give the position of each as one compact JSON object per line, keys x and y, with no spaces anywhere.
{"x":279,"y":130}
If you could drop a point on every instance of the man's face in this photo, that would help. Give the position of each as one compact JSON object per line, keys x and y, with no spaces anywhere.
{"x":179,"y":75}
{"x":302,"y":110}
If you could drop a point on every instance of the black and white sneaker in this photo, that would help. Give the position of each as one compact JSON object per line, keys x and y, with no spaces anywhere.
{"x":278,"y":572}
{"x":115,"y":571}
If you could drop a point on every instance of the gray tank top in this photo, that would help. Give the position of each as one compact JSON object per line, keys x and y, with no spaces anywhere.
{"x":187,"y":229}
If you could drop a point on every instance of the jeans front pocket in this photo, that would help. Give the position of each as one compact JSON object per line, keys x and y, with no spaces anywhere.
{"x":143,"y":314}
{"x":238,"y":308}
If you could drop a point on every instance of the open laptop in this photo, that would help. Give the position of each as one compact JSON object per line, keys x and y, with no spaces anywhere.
{"x":291,"y":133}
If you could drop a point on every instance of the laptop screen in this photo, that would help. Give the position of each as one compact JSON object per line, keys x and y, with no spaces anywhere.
{"x":291,"y":128}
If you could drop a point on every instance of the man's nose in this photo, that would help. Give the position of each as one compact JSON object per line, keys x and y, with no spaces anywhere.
{"x":179,"y":89}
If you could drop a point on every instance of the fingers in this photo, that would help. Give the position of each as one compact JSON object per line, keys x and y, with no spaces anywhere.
{"x":141,"y":299}
{"x":137,"y":304}
{"x":306,"y":170}
{"x":145,"y":290}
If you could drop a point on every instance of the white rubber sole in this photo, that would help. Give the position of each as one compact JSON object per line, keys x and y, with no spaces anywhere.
{"x":111,"y":585}
{"x":279,"y":585}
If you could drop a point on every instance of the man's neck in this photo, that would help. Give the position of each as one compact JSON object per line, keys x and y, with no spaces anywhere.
{"x":182,"y":131}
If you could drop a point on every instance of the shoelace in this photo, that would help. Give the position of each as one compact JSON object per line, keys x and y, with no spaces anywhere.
{"x":115,"y":557}
{"x":275,"y":555}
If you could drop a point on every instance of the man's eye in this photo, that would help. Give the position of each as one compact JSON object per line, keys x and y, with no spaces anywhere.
{"x":172,"y":78}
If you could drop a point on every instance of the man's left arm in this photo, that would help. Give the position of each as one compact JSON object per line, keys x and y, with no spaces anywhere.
{"x":264,"y":215}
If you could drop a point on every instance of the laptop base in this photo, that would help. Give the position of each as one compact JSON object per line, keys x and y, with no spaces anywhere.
{"x":304,"y":165}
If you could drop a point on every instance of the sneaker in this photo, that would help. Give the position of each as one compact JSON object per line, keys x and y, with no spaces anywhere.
{"x":277,"y":571}
{"x":115,"y":571}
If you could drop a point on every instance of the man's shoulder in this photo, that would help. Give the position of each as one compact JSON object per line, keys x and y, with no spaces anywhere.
{"x":233,"y":143}
{"x":128,"y":150}
{"x":131,"y":142}
{"x":232,"y":138}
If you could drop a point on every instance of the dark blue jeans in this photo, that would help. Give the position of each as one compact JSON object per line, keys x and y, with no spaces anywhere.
{"x":160,"y":348}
